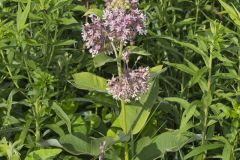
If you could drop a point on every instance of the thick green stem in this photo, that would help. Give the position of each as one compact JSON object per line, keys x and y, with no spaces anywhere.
{"x":204,"y":132}
{"x":210,"y":73}
{"x":119,"y":57}
{"x":37,"y":131}
{"x":126,"y":151}
{"x":36,"y":111}
{"x":123,"y":109}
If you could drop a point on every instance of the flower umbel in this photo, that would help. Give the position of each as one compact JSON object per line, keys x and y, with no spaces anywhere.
{"x":124,"y":26}
{"x":118,"y":25}
{"x":131,"y":85}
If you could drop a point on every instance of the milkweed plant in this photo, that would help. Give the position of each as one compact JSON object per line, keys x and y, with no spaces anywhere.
{"x":119,"y":79}
{"x":121,"y":22}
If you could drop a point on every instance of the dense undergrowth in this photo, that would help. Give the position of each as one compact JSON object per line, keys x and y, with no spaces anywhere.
{"x":54,"y":102}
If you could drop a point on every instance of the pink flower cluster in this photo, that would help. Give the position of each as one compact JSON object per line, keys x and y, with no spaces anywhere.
{"x":115,"y":26}
{"x":124,"y":26}
{"x":94,"y":35}
{"x":131,"y":85}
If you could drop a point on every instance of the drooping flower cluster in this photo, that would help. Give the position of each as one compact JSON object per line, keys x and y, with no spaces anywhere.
{"x":131,"y":85}
{"x":94,"y":35}
{"x":116,"y":25}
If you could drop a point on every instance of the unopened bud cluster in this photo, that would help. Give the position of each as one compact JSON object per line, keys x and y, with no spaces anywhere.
{"x":121,"y":4}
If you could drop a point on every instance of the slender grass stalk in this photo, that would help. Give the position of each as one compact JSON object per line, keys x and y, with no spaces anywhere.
{"x":52,"y":49}
{"x":27,"y":70}
{"x":9,"y":70}
{"x":238,"y":70}
{"x":206,"y":108}
{"x":197,"y":14}
{"x":51,"y":55}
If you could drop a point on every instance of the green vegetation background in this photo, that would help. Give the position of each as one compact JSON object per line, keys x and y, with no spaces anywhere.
{"x":195,"y":101}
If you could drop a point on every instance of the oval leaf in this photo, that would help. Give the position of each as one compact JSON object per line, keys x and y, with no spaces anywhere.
{"x":90,"y":82}
{"x":43,"y":154}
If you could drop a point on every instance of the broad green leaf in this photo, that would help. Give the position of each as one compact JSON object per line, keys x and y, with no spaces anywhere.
{"x":132,"y":115}
{"x":64,"y":43}
{"x":137,"y":50}
{"x":203,"y":148}
{"x":43,"y":154}
{"x":141,"y":143}
{"x":83,"y":145}
{"x":185,"y":104}
{"x":170,"y":141}
{"x":51,"y":143}
{"x":75,"y":145}
{"x":68,"y":21}
{"x":101,"y":59}
{"x":156,"y":69}
{"x":101,"y":98}
{"x":137,"y":115}
{"x":135,"y":118}
{"x":22,"y":15}
{"x":79,"y":8}
{"x":61,"y":114}
{"x":140,"y":121}
{"x":89,"y":81}
{"x":56,"y":128}
{"x":149,"y":98}
{"x":94,"y":11}
{"x":146,"y":149}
